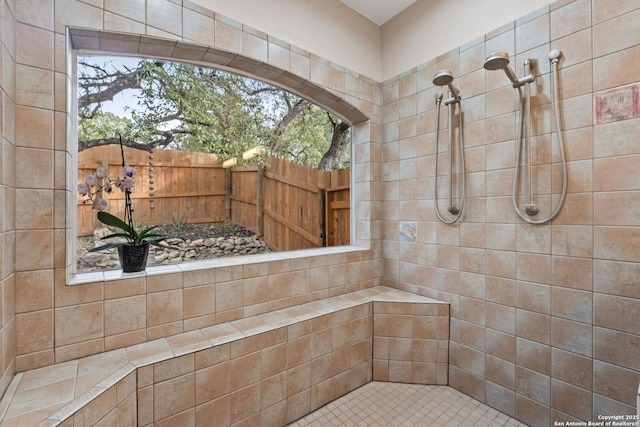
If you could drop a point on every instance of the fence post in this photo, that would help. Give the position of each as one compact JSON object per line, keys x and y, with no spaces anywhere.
{"x":227,"y":193}
{"x":322,"y":215}
{"x":260,"y":201}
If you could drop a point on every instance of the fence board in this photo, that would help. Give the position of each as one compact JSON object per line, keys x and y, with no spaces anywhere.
{"x":193,"y":186}
{"x":179,"y":179}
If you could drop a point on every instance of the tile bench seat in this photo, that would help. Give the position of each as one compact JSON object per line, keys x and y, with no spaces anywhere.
{"x":280,"y":366}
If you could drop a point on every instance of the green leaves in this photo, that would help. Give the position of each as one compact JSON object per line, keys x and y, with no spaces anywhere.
{"x":111,"y":220}
{"x":189,"y":107}
{"x":130,"y":234}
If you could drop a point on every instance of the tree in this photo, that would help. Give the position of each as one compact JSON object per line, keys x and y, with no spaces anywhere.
{"x":185,"y":106}
{"x":339,"y":144}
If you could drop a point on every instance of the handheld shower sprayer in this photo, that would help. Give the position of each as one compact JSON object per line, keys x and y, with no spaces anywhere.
{"x":442,"y":78}
{"x":445,"y":77}
{"x":500,"y":61}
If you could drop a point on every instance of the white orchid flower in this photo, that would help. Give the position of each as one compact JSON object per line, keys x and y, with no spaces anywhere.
{"x":130,"y":172}
{"x":101,"y":172}
{"x":83,"y":189}
{"x":91,"y":180}
{"x":100,"y":204}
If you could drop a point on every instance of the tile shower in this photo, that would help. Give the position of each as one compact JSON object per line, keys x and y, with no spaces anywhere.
{"x":543,"y":318}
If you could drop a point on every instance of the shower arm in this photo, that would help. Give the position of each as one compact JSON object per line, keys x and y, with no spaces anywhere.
{"x":528,"y":76}
{"x":454,"y":96}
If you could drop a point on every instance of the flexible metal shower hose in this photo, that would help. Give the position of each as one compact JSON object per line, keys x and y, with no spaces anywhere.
{"x":563,"y":194}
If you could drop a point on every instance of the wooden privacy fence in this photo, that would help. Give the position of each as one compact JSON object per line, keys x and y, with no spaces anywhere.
{"x":180,"y":185}
{"x":301,"y":207}
{"x":290,"y":205}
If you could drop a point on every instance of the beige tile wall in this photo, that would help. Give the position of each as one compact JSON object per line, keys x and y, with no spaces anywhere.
{"x":520,"y":294}
{"x":289,"y":361}
{"x":271,"y":378}
{"x":543,"y":316}
{"x":411,"y":343}
{"x":8,"y":131}
{"x":277,"y":376}
{"x":56,"y":322}
{"x":117,"y":405}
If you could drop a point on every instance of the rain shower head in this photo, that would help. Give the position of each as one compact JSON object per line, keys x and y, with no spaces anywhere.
{"x":445,"y":77}
{"x":500,"y":61}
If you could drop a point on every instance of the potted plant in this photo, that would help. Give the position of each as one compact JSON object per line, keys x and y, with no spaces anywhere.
{"x":132,"y":244}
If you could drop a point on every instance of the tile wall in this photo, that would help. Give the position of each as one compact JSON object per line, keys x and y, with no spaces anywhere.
{"x":411,"y":343}
{"x":117,"y":405}
{"x":56,"y":322}
{"x":544,"y":317}
{"x":263,"y":370}
{"x":7,"y":191}
{"x":271,"y":378}
{"x":277,"y":376}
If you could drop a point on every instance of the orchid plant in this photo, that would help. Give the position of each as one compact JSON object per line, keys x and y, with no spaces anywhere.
{"x":97,"y":183}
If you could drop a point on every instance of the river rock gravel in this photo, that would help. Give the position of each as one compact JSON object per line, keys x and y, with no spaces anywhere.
{"x":194,"y":242}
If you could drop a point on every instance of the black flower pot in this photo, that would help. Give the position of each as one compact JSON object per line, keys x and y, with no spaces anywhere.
{"x":133,"y":257}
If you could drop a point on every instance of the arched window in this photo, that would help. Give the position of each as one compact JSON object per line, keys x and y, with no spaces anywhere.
{"x":229,"y":164}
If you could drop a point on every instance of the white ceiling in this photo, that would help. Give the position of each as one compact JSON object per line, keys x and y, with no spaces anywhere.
{"x":379,"y":11}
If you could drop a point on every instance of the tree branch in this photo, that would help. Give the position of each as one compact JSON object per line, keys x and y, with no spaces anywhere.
{"x":297,"y":108}
{"x":89,"y":143}
{"x":338,"y":146}
{"x":116,"y":83}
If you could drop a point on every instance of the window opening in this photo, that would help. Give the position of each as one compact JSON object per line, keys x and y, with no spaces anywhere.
{"x":233,"y":165}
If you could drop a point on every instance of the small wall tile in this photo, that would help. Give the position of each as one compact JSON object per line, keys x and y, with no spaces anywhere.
{"x":572,"y":305}
{"x":533,"y":297}
{"x":218,"y":409}
{"x":164,"y":307}
{"x":212,"y":383}
{"x":572,"y":272}
{"x":173,"y":396}
{"x":340,"y":361}
{"x":571,"y":400}
{"x":615,"y":313}
{"x":298,"y":405}
{"x":501,"y":372}
{"x":298,"y":379}
{"x":34,"y":291}
{"x":472,"y":385}
{"x":97,"y":409}
{"x":533,"y":385}
{"x":125,"y":315}
{"x":173,"y":368}
{"x":572,"y":368}
{"x":534,"y":356}
{"x":501,"y":398}
{"x":79,"y":323}
{"x":532,"y":412}
{"x":570,"y":19}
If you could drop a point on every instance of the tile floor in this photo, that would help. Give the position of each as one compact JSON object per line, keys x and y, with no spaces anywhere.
{"x":404,"y":405}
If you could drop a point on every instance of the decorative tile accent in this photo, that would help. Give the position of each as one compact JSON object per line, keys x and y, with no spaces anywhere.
{"x":408,"y":231}
{"x":617,"y":104}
